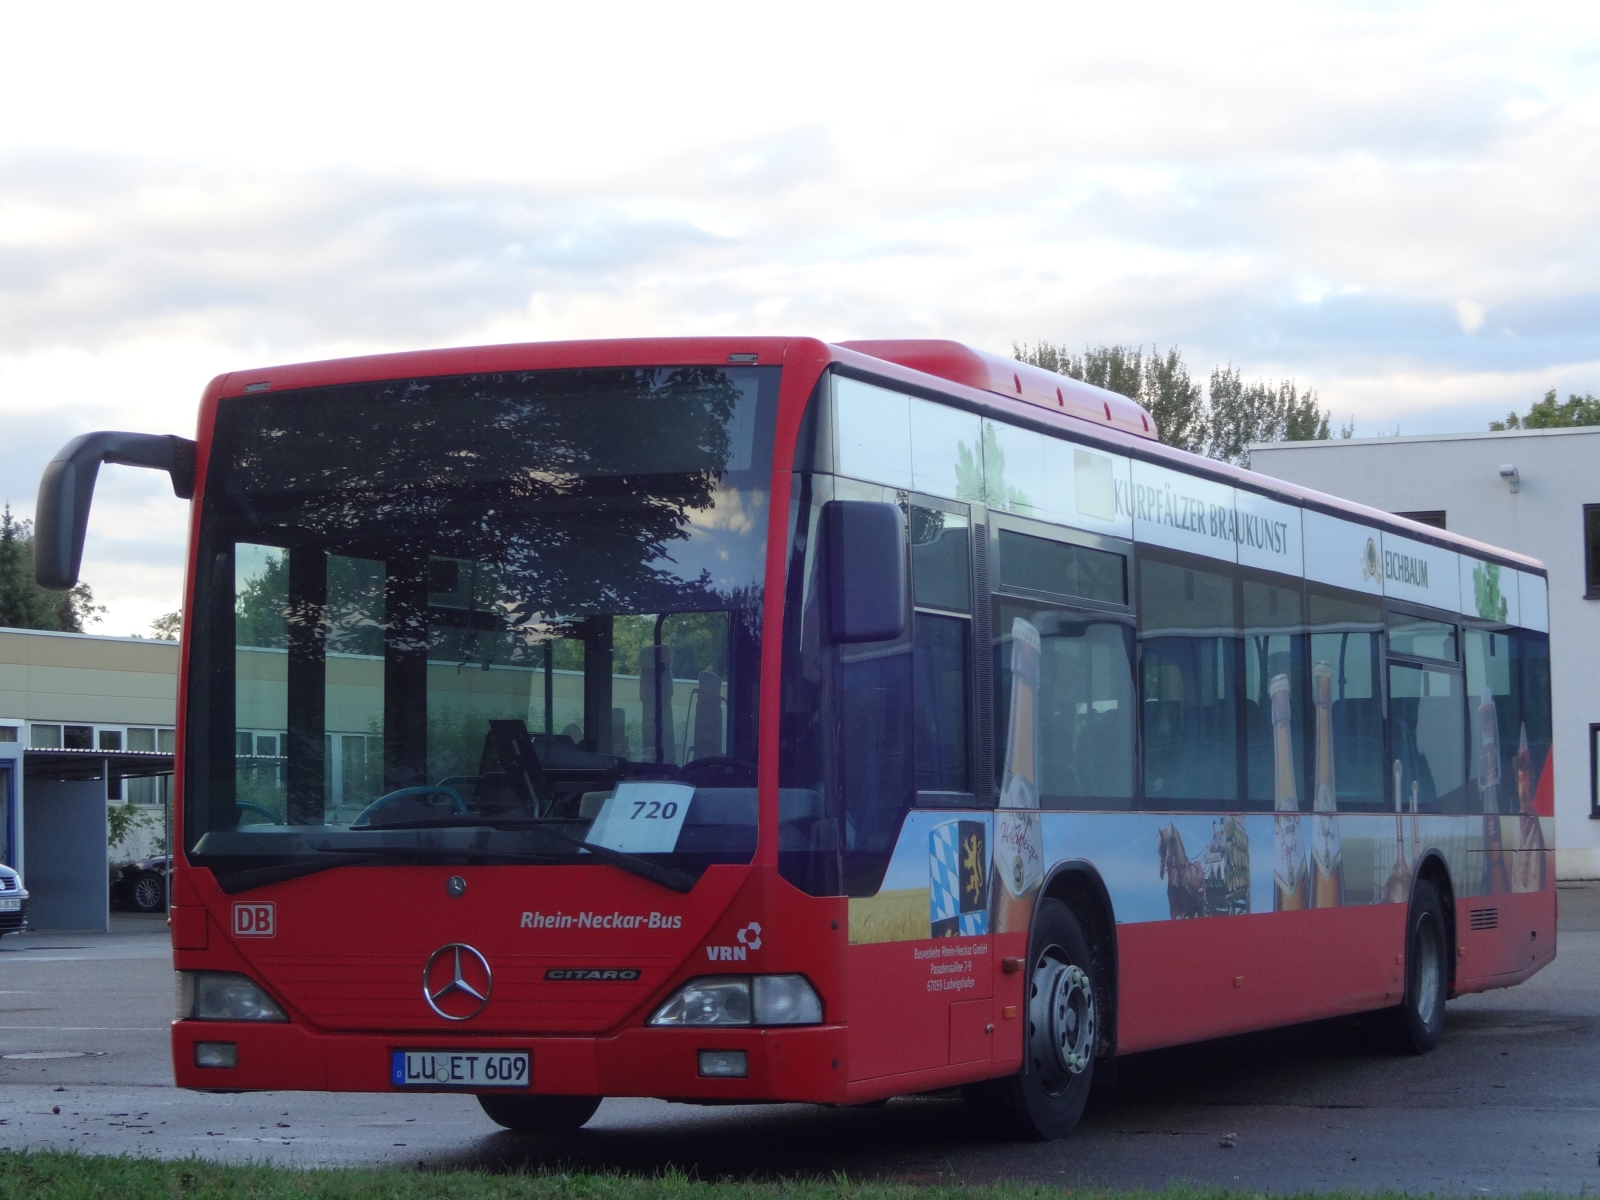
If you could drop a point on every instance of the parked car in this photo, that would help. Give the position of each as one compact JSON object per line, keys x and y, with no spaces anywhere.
{"x":142,"y":885}
{"x":13,"y":902}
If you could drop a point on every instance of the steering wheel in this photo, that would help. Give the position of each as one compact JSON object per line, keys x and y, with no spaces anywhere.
{"x":417,"y":795}
{"x":259,"y":809}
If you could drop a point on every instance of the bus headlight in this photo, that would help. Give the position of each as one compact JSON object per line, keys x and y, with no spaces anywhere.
{"x":718,"y":1000}
{"x":742,"y":1000}
{"x":223,"y":996}
{"x":786,"y":1000}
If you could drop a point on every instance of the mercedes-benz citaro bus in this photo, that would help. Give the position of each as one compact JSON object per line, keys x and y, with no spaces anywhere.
{"x":754,"y":719}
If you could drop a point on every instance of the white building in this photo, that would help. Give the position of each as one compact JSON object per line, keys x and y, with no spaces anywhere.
{"x":1533,"y":491}
{"x":85,"y":722}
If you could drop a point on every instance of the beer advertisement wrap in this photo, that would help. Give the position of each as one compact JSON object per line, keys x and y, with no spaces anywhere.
{"x":1496,"y":875}
{"x":1019,"y":786}
{"x":1291,"y":884}
{"x":1019,"y":867}
{"x":1018,"y":836}
{"x":1327,"y":848}
{"x":1397,"y":888}
{"x":958,"y":879}
{"x":1532,"y":868}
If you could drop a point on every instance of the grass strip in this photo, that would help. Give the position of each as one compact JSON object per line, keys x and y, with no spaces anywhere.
{"x":59,"y":1176}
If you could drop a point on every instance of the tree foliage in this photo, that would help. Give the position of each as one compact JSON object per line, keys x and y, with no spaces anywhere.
{"x":26,"y":605}
{"x":1549,"y":414}
{"x":1221,"y":419}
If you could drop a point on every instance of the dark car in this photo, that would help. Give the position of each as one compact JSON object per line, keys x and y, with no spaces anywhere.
{"x":142,"y":885}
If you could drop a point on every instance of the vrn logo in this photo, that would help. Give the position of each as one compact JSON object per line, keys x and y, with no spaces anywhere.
{"x":749,"y":938}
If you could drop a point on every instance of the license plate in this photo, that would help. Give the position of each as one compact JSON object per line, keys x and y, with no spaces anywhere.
{"x":459,"y":1068}
{"x":13,"y":904}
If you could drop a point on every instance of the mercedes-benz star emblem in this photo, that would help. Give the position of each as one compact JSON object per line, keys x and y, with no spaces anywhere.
{"x":457,"y":981}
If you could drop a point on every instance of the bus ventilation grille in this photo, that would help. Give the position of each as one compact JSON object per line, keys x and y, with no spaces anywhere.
{"x":1484,"y":918}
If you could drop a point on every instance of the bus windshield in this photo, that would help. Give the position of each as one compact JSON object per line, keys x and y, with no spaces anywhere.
{"x":472,"y":618}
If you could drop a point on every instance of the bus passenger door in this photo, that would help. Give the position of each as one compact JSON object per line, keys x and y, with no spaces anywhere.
{"x":920,"y":954}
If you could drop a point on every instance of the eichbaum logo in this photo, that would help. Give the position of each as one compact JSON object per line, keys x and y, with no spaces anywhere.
{"x":255,"y":920}
{"x":748,"y":939}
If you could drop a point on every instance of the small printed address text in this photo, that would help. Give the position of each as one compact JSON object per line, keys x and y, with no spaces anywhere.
{"x":950,"y":966}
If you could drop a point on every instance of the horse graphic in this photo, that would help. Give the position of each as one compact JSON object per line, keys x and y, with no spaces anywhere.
{"x":1186,"y":877}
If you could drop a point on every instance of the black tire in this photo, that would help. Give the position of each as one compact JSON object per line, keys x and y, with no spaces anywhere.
{"x":539,"y":1114}
{"x":148,"y":893}
{"x":1416,"y":1026}
{"x":1061,"y":1038}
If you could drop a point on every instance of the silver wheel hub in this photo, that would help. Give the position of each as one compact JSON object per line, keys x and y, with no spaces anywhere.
{"x":1061,"y":1020}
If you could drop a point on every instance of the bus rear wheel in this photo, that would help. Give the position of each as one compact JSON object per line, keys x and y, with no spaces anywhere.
{"x":1417,"y":1025}
{"x":1046,"y":1098}
{"x":539,"y":1114}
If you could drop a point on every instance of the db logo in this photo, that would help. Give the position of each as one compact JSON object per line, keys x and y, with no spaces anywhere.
{"x":255,"y":920}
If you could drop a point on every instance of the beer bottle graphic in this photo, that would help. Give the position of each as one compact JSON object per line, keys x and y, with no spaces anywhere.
{"x":1397,"y":888}
{"x":1531,"y":875}
{"x":1291,"y":881}
{"x":1496,"y":876}
{"x":1019,"y":840}
{"x":1327,"y":848}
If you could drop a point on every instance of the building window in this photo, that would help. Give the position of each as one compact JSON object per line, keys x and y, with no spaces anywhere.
{"x":1594,"y":771}
{"x":1433,"y":516}
{"x":1591,"y":551}
{"x":142,"y":739}
{"x":8,"y":733}
{"x":44,"y":737}
{"x":78,"y":737}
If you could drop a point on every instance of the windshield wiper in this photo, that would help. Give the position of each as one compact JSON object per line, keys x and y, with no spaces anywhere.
{"x":667,"y":877}
{"x":247,"y":878}
{"x":329,"y":857}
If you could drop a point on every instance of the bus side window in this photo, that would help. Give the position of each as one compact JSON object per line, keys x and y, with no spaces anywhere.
{"x":1345,"y":639}
{"x":1426,"y":736}
{"x":1189,"y":679}
{"x":1276,"y":690}
{"x":941,"y":567}
{"x":1084,"y":711}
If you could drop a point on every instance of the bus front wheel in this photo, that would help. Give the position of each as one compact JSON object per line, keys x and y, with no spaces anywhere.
{"x":1417,"y":1025}
{"x":1045,"y":1099}
{"x":539,"y":1114}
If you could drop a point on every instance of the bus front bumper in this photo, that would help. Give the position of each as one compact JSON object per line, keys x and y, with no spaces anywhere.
{"x":804,"y":1064}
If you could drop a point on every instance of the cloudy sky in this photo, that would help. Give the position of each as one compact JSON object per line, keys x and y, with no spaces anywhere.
{"x":1393,"y":203}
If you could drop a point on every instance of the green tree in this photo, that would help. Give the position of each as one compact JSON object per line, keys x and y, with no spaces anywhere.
{"x":1220,"y":420}
{"x":1161,"y":383}
{"x":1548,"y":414}
{"x":1242,"y":413}
{"x":168,"y":626}
{"x":26,"y":605}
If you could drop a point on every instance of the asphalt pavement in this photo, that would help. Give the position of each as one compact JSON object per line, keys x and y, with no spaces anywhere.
{"x":1508,"y":1103}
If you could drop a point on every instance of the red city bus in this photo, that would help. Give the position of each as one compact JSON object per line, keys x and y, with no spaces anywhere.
{"x":761,"y":719}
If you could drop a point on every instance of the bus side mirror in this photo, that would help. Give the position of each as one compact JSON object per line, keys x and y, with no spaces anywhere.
{"x":67,"y":486}
{"x":866,"y":561}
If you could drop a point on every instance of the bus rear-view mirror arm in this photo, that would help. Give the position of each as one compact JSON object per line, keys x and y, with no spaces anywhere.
{"x":866,"y":563}
{"x":67,"y":486}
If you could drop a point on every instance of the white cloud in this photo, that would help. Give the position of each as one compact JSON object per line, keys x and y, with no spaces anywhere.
{"x":1469,"y":315}
{"x":1333,"y":193}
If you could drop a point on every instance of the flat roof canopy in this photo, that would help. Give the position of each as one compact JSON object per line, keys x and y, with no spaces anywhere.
{"x":94,"y":764}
